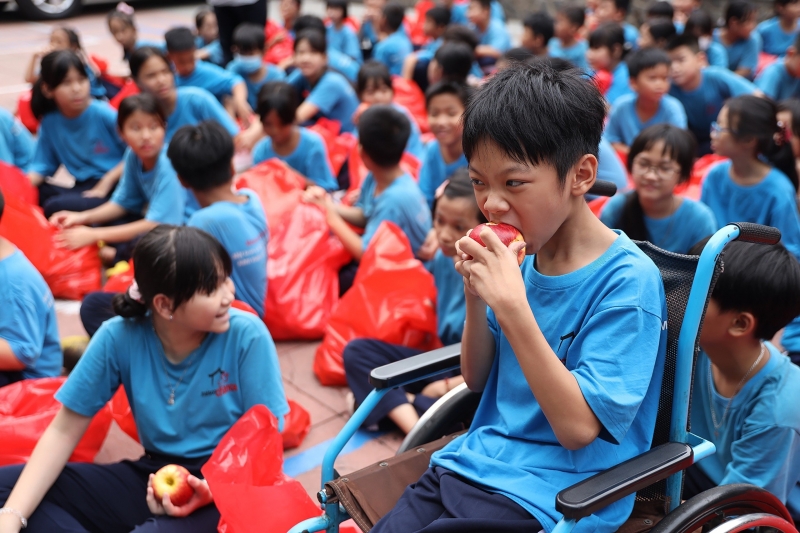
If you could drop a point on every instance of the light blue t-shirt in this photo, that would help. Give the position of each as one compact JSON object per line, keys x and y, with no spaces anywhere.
{"x":402,"y":203}
{"x":759,"y":439}
{"x":332,"y":95}
{"x":458,"y":13}
{"x":16,"y":143}
{"x":227,"y":375}
{"x":620,"y":83}
{"x":774,"y":40}
{"x":743,"y":53}
{"x":496,"y":35}
{"x":343,"y":64}
{"x":242,"y":230}
{"x":93,"y":149}
{"x":213,"y":48}
{"x":310,"y":158}
{"x":271,"y":73}
{"x":344,"y":40}
{"x":624,"y":123}
{"x":96,"y":88}
{"x":434,"y":170}
{"x":393,"y":50}
{"x":575,"y":54}
{"x":428,"y":50}
{"x":606,"y":323}
{"x":776,"y":82}
{"x":702,"y":105}
{"x":157,"y":189}
{"x":194,"y":105}
{"x":717,"y":55}
{"x":631,"y":35}
{"x":609,"y":166}
{"x":214,"y":79}
{"x":688,"y":225}
{"x":451,"y":305}
{"x":414,"y":146}
{"x":28,"y":318}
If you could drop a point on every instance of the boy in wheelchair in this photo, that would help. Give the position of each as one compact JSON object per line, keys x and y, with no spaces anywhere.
{"x":569,"y":349}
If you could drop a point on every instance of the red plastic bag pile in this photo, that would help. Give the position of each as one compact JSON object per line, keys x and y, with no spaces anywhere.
{"x":392,"y":300}
{"x":280,"y":45}
{"x":338,"y":145}
{"x":409,"y":95}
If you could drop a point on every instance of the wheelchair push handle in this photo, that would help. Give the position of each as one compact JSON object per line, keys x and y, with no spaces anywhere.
{"x":757,"y":233}
{"x":603,"y":188}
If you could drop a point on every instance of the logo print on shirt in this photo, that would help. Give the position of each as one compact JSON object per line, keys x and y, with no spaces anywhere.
{"x":99,"y":147}
{"x":219,"y":381}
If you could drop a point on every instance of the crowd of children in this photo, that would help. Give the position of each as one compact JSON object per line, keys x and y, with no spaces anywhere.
{"x":510,"y":134}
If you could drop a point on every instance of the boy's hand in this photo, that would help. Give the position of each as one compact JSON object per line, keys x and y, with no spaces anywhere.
{"x":315,"y":195}
{"x":76,"y":237}
{"x":67,"y":219}
{"x":429,"y":247}
{"x":201,"y":497}
{"x":493,"y":273}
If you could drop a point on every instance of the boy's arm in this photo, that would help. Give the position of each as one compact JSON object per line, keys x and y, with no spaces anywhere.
{"x":81,"y":236}
{"x":409,"y":64}
{"x":352,"y":214}
{"x":485,"y":50}
{"x":107,"y":182}
{"x":99,"y":215}
{"x":477,"y":344}
{"x":240,"y":103}
{"x":350,"y":239}
{"x":9,"y":361}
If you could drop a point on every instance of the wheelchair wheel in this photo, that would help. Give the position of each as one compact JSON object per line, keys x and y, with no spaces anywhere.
{"x":728,"y":509}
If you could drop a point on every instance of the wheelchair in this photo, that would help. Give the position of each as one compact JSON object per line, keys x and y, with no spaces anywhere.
{"x":655,"y":476}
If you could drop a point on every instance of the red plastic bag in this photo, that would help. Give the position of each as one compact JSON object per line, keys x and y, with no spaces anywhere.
{"x":392,"y":300}
{"x":338,"y":146}
{"x":603,"y":79}
{"x":693,"y":188}
{"x":416,"y":31}
{"x":129,"y":88}
{"x":70,"y":274}
{"x":296,"y":426}
{"x":409,"y":95}
{"x":14,"y":182}
{"x":279,"y":188}
{"x":245,"y":474}
{"x":121,"y":412}
{"x":279,"y":43}
{"x":25,"y":113}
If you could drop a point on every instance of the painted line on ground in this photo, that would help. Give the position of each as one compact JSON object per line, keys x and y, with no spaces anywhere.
{"x":312,"y":457}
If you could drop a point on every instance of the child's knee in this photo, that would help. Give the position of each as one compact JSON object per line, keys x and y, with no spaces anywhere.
{"x":353,"y":353}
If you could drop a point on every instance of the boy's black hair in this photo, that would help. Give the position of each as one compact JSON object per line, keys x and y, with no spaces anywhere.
{"x":459,"y":90}
{"x":249,"y":38}
{"x":622,"y":5}
{"x":556,"y":63}
{"x":393,"y":14}
{"x":458,"y":33}
{"x":372,"y":70}
{"x":792,"y":105}
{"x":661,"y":9}
{"x":181,"y":39}
{"x":339,"y":4}
{"x":576,"y":15}
{"x":308,"y":22}
{"x":140,"y":56}
{"x":383,"y":132}
{"x":519,"y":53}
{"x":201,"y":15}
{"x":485,"y":4}
{"x":459,"y":185}
{"x":201,"y":155}
{"x":144,"y":102}
{"x":54,"y":68}
{"x":699,"y":23}
{"x":662,"y":30}
{"x":280,"y":97}
{"x":455,"y":59}
{"x":537,"y":115}
{"x":681,"y":40}
{"x":739,"y":10}
{"x":440,"y":15}
{"x":609,"y":35}
{"x":758,"y":279}
{"x":2,"y":204}
{"x":178,"y":262}
{"x":316,"y":40}
{"x":540,"y":23}
{"x":645,"y":59}
{"x":783,"y":2}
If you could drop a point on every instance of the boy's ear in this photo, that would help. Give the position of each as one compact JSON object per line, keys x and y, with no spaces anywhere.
{"x":162,"y":305}
{"x":183,"y":183}
{"x":742,"y":325}
{"x":582,"y":176}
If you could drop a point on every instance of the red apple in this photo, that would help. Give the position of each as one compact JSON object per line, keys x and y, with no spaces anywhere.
{"x":173,"y":480}
{"x":507,"y":233}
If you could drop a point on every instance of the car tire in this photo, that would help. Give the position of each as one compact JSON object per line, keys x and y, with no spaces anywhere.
{"x":49,"y":9}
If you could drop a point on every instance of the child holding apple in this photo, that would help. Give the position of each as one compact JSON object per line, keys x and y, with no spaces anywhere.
{"x":190,"y":365}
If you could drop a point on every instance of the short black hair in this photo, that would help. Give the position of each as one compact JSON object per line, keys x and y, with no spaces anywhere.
{"x":519,"y":53}
{"x":609,"y":35}
{"x":202,"y":154}
{"x":201,"y":15}
{"x":662,"y":30}
{"x":681,"y":40}
{"x":739,"y":10}
{"x":180,"y":39}
{"x":372,"y":70}
{"x":540,"y":23}
{"x":144,"y":102}
{"x":645,"y":59}
{"x":308,"y":22}
{"x":394,"y":13}
{"x":759,"y":279}
{"x":699,"y":23}
{"x":661,"y":9}
{"x":280,"y":97}
{"x":536,"y":114}
{"x":485,"y":4}
{"x":316,"y":40}
{"x":455,"y":59}
{"x":249,"y":37}
{"x":440,"y":15}
{"x":383,"y":132}
{"x":458,"y":33}
{"x":338,"y":4}
{"x":622,"y":5}
{"x":576,"y":15}
{"x":459,"y":90}
{"x":555,"y":63}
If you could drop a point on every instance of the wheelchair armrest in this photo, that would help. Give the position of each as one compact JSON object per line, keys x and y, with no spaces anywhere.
{"x":415,"y":368}
{"x":600,"y":490}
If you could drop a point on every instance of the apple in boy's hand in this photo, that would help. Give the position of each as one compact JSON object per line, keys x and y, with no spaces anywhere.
{"x":507,"y":233}
{"x":173,"y":480}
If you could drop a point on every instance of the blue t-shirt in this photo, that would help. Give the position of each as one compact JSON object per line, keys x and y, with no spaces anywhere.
{"x":343,"y":64}
{"x":606,"y":323}
{"x":688,"y":225}
{"x":402,"y":203}
{"x":458,"y":13}
{"x":774,"y":40}
{"x":631,"y":35}
{"x":213,"y":48}
{"x":717,"y":55}
{"x":702,"y":105}
{"x":776,"y":82}
{"x":214,"y":79}
{"x":496,"y":35}
{"x":743,"y":53}
{"x":271,"y":73}
{"x":393,"y":50}
{"x":161,"y":45}
{"x":575,"y":54}
{"x":620,"y":83}
{"x":609,"y":166}
{"x":367,"y":34}
{"x":344,"y":40}
{"x":414,"y":146}
{"x":96,"y":88}
{"x":310,"y":158}
{"x":28,"y":318}
{"x":93,"y":149}
{"x":759,"y":441}
{"x":227,"y":375}
{"x":434,"y":170}
{"x":451,"y":305}
{"x":16,"y":143}
{"x":158,"y":189}
{"x":194,"y":105}
{"x":624,"y":123}
{"x":242,"y":230}
{"x":332,"y":95}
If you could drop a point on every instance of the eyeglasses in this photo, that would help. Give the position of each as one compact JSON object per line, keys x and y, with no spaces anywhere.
{"x":664,"y":172}
{"x":716,"y":129}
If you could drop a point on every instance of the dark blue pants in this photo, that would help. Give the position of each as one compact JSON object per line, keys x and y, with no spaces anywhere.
{"x":53,"y":198}
{"x":795,"y":357}
{"x":90,"y":498}
{"x":7,"y":378}
{"x":442,"y":502}
{"x":96,"y":308}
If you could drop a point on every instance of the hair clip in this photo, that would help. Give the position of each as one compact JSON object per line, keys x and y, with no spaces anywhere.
{"x":122,"y":7}
{"x":134,"y":294}
{"x":440,"y":189}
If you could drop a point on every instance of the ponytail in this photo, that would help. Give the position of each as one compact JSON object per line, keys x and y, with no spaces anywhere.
{"x":632,"y":219}
{"x":127,"y":307}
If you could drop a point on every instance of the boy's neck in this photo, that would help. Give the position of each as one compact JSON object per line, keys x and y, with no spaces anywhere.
{"x":223,"y":193}
{"x":289,"y":145}
{"x":451,"y":152}
{"x":482,"y":25}
{"x":386,"y":176}
{"x":570,"y":40}
{"x":168,"y":104}
{"x":6,"y":248}
{"x":694,"y":83}
{"x":646,"y":108}
{"x":731,"y":361}
{"x":259,"y":74}
{"x":788,"y":24}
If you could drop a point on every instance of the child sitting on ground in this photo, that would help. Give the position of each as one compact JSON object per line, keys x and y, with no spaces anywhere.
{"x":63,"y":38}
{"x":341,"y":36}
{"x":393,"y":49}
{"x":536,"y":338}
{"x":607,"y":51}
{"x":415,"y":66}
{"x":649,"y":103}
{"x":248,"y":53}
{"x":300,"y":148}
{"x":781,"y":79}
{"x":537,"y":30}
{"x":29,"y":344}
{"x":737,"y":36}
{"x":455,"y":213}
{"x":207,"y":39}
{"x":700,"y":25}
{"x":493,"y":34}
{"x":567,"y":42}
{"x":779,"y":33}
{"x":453,"y":61}
{"x":746,"y":394}
{"x":617,"y":11}
{"x":337,"y":61}
{"x":16,"y":143}
{"x":660,"y":158}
